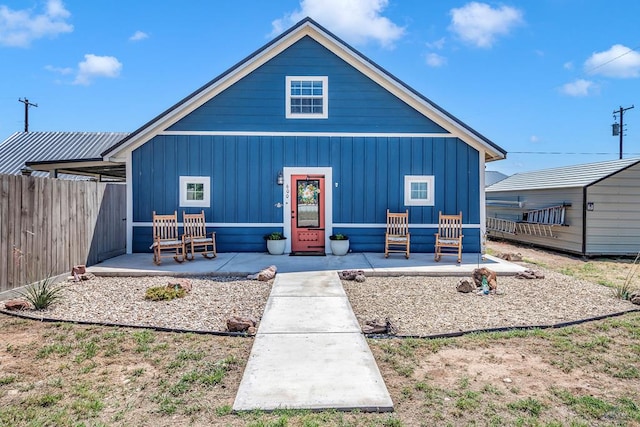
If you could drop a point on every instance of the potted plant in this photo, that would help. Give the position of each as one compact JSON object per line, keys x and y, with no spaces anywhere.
{"x":275,"y":243}
{"x":339,"y":244}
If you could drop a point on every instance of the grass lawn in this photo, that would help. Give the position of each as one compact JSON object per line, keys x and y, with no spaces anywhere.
{"x":60,"y":374}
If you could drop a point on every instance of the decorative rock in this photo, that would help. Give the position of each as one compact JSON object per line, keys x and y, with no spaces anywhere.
{"x":360,"y":278}
{"x":180,"y":284}
{"x":17,"y":304}
{"x":510,"y":257}
{"x":240,"y":324}
{"x":507,"y":380}
{"x":376,"y":327}
{"x":264,"y":275}
{"x":465,"y":286}
{"x":492,"y":277}
{"x":635,"y":297}
{"x":529,"y":274}
{"x":350,"y":274}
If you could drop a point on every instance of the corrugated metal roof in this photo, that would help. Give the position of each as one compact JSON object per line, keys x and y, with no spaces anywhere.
{"x":562,"y":177}
{"x":24,"y":147}
{"x":491,"y":177}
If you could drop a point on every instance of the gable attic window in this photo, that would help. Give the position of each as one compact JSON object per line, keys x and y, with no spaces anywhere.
{"x":307,"y":97}
{"x":195,"y":191}
{"x":418,"y":190}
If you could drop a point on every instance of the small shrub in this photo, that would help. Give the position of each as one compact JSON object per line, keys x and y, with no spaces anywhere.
{"x":339,"y":236}
{"x":42,"y":294}
{"x":164,"y":293}
{"x":276,"y":235}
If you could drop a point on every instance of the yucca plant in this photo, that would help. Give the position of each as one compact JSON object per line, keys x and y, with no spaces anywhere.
{"x":624,"y":290}
{"x":42,"y":294}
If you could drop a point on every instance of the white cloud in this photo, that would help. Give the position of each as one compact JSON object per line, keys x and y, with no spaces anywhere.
{"x":356,"y":21}
{"x":59,"y":70}
{"x":435,"y":60}
{"x":438,"y":44}
{"x":568,"y":65}
{"x":579,"y":87}
{"x":97,"y":66}
{"x":18,"y":28}
{"x":619,"y":61}
{"x":138,"y":35}
{"x":534,"y":139}
{"x":480,"y":24}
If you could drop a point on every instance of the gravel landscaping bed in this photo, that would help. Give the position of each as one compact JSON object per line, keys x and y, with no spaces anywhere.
{"x":120,"y":300}
{"x":417,"y":306}
{"x":421,"y":306}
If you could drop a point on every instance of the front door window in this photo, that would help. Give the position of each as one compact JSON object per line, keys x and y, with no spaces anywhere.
{"x":308,"y":203}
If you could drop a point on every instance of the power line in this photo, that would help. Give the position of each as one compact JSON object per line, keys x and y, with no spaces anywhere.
{"x":612,"y":59}
{"x":563,"y":153}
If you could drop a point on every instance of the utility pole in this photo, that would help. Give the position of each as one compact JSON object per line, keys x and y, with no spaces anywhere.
{"x":27,"y":104}
{"x":619,"y":129}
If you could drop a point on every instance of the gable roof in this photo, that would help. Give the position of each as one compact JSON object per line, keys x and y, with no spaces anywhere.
{"x":306,"y":27}
{"x":47,"y":151}
{"x":563,"y":177}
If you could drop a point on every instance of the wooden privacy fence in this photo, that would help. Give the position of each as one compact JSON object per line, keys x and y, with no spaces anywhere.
{"x":48,"y":225}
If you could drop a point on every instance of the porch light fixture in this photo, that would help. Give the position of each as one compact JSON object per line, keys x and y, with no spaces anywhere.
{"x":280,"y":179}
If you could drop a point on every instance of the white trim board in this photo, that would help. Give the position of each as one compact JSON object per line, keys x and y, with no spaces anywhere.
{"x":275,"y":224}
{"x":328,"y":134}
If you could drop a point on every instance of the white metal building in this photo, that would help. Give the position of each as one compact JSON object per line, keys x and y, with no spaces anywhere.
{"x":590,"y":209}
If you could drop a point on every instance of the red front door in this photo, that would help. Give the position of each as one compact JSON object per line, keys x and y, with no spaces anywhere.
{"x":307,"y":214}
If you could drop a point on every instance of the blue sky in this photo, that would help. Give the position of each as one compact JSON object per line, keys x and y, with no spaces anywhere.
{"x":540,"y":78}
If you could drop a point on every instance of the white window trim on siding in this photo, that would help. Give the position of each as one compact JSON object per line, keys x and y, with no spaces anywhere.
{"x":410,"y":179}
{"x":206,"y":181}
{"x":325,"y":97}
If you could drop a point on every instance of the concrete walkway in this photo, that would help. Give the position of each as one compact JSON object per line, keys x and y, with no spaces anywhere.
{"x":309,"y":352}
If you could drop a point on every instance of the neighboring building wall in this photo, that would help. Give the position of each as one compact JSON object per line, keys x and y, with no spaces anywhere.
{"x":565,"y":238}
{"x":613,"y":227}
{"x":369,"y":172}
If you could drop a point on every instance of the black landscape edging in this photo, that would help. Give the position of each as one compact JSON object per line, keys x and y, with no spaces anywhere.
{"x":505,"y":328}
{"x":373,"y":336}
{"x":123,"y":325}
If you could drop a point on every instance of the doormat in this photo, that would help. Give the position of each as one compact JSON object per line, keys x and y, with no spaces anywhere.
{"x":307,"y":254}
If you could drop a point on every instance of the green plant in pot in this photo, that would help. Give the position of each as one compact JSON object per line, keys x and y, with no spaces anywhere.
{"x":339,"y":244}
{"x":276,"y":242}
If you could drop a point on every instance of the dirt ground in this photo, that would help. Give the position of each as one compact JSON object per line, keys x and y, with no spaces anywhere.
{"x":66,"y":375}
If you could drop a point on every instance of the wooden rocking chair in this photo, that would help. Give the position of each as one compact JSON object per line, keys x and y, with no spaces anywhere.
{"x":449,"y":236}
{"x":195,"y":236}
{"x":397,"y":235}
{"x":166,"y":238}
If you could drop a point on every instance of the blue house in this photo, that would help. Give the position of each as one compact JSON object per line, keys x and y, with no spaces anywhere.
{"x":309,"y":137}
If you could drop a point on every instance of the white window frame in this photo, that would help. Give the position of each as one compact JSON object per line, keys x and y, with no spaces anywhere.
{"x":325,"y":97}
{"x":427,"y":179}
{"x":206,"y":201}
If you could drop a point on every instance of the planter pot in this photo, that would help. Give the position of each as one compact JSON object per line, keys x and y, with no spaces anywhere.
{"x":339,"y":247}
{"x":276,"y":247}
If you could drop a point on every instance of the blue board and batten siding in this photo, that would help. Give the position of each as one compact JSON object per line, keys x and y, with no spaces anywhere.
{"x":257,"y":102}
{"x":369,"y":170}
